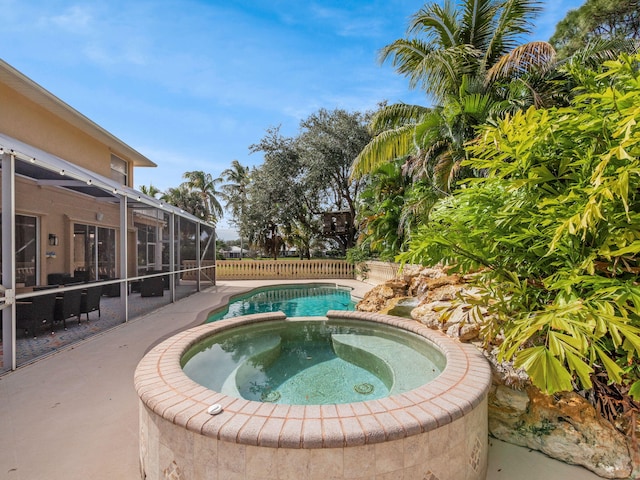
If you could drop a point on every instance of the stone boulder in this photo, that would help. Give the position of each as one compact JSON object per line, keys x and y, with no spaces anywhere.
{"x":378,"y":298}
{"x":563,"y":426}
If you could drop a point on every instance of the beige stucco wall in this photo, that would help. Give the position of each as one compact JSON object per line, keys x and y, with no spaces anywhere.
{"x":57,"y":211}
{"x":26,"y":121}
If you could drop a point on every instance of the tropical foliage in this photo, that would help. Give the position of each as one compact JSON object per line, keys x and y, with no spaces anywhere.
{"x":451,"y":52}
{"x":391,"y":206}
{"x":597,"y":20}
{"x":234,"y":193}
{"x":204,"y":186}
{"x":302,"y":177}
{"x":553,"y":231}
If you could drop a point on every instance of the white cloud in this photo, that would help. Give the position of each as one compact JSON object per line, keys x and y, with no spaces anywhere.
{"x":76,"y":19}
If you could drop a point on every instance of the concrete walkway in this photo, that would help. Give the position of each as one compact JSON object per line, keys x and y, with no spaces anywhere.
{"x":74,"y":415}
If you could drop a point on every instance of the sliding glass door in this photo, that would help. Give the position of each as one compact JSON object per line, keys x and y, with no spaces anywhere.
{"x":94,"y":251}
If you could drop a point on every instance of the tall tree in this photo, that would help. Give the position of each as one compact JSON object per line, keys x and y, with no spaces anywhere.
{"x":328,"y":144}
{"x":187,"y":199}
{"x":450,"y":52}
{"x":597,"y":20}
{"x":205,"y":185}
{"x":468,"y":60}
{"x":234,"y":192}
{"x":276,"y":199}
{"x":452,"y":41}
{"x":150,"y":190}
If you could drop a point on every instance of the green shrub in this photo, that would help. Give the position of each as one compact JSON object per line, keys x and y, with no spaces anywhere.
{"x":554,"y":230}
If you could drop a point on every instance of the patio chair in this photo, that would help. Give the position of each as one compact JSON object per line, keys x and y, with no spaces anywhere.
{"x":112,"y":289}
{"x":81,"y":276}
{"x":90,"y":300}
{"x":67,"y":306}
{"x":32,"y":314}
{"x":59,"y":278}
{"x":165,"y":278}
{"x":152,"y":287}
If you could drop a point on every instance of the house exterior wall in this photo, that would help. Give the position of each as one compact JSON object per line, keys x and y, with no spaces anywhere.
{"x":29,"y":122}
{"x":57,"y":210}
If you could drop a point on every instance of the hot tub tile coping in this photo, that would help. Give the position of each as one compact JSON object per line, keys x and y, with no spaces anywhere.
{"x":427,"y":407}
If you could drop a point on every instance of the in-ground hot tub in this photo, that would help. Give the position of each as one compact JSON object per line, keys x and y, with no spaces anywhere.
{"x":408,"y":425}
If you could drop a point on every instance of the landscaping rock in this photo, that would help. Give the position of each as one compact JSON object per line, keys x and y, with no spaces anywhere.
{"x":563,"y":426}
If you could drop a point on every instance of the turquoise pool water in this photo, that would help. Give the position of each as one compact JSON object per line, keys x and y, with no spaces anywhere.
{"x":294,"y":300}
{"x":317,"y":362}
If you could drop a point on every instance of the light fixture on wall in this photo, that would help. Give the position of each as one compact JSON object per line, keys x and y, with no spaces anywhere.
{"x":53,"y":240}
{"x":99,"y":216}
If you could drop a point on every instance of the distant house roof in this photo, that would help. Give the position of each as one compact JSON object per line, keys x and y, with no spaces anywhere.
{"x":34,"y":92}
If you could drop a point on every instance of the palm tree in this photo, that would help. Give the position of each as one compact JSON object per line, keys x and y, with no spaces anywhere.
{"x":381,"y":203}
{"x":150,"y":190}
{"x":187,"y":199}
{"x":205,"y":185}
{"x":458,"y":43}
{"x":235,"y":194}
{"x":431,"y":140}
{"x":451,"y":61}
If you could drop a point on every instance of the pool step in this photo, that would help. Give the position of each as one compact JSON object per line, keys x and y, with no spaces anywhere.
{"x":400,"y":367}
{"x":266,"y":349}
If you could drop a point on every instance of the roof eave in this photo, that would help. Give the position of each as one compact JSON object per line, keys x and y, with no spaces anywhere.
{"x":42,"y":97}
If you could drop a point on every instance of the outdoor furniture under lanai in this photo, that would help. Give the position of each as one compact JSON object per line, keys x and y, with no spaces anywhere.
{"x":68,"y":306}
{"x":152,"y":287}
{"x":32,"y":314}
{"x":90,"y":300}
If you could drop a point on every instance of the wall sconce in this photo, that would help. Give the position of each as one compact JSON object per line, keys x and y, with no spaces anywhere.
{"x":53,"y":240}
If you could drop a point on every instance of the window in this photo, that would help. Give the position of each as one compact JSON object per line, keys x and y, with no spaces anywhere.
{"x":26,"y":260}
{"x":119,"y":170}
{"x":146,"y":247}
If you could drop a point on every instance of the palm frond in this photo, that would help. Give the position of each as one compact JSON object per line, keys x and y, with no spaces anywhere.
{"x":409,"y":57}
{"x":599,"y":50}
{"x":532,"y":56}
{"x":444,"y":70}
{"x":444,"y":171}
{"x":439,"y":24}
{"x":477,"y":22}
{"x":396,"y":115}
{"x":514,"y":20}
{"x":387,"y":146}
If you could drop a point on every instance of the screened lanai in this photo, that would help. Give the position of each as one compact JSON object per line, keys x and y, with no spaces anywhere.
{"x":69,"y":233}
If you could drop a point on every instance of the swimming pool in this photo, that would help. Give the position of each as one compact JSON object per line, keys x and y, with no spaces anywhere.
{"x":310,"y":300}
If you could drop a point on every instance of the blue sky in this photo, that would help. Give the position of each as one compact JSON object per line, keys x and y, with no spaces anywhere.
{"x":192,"y":84}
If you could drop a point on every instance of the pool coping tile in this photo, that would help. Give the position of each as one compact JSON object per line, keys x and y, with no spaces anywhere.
{"x":164,"y":389}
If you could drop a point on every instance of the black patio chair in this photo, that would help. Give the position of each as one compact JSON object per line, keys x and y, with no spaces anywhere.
{"x":32,"y":314}
{"x":152,"y":287}
{"x":90,"y":300}
{"x":81,"y":276}
{"x":112,"y":289}
{"x":59,"y":278}
{"x":68,"y":306}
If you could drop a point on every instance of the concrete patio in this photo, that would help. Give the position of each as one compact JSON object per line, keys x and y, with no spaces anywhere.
{"x":74,"y":414}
